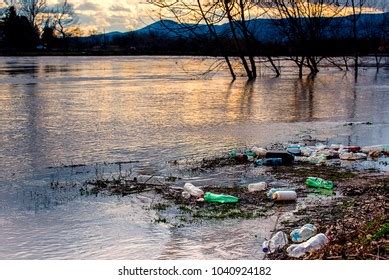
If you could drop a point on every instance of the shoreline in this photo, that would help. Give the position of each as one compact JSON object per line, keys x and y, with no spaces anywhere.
{"x":353,"y":216}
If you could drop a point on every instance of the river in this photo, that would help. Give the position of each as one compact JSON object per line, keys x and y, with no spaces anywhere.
{"x":97,"y":111}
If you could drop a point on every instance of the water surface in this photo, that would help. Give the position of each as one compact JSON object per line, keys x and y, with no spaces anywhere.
{"x":90,"y":110}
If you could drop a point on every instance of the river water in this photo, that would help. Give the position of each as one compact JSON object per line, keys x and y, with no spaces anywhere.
{"x":97,"y":111}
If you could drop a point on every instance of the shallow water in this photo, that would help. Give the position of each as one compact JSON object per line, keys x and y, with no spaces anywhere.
{"x":83,"y":110}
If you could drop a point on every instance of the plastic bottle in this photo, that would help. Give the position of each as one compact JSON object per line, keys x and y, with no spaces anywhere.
{"x":317,"y":158}
{"x":256,"y":187}
{"x":185,"y":195}
{"x":353,"y":156}
{"x":303,"y":233}
{"x":278,"y":241}
{"x":270,"y":193}
{"x":351,"y":149}
{"x":285,"y":156}
{"x":301,"y":159}
{"x":314,"y":243}
{"x":220,"y":198}
{"x":320,"y":146}
{"x":335,"y":146}
{"x":260,"y":152}
{"x":315,"y":182}
{"x":306,"y":151}
{"x":240,"y":157}
{"x":284,"y":196}
{"x":269,"y":162}
{"x":250,"y":153}
{"x":193,"y":190}
{"x":376,"y":148}
{"x":294,"y":150}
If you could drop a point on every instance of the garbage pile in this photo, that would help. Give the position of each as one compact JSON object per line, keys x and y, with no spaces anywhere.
{"x":317,"y":154}
{"x":305,"y":240}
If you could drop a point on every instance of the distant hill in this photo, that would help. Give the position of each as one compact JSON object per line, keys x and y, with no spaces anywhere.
{"x":265,"y":30}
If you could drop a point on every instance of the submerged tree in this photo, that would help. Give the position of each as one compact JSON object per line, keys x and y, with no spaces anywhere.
{"x":305,"y":24}
{"x":238,"y":14}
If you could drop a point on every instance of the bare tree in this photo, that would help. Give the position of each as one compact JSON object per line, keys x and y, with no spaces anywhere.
{"x":63,"y":18}
{"x":304,"y":23}
{"x":32,"y":9}
{"x":196,"y":12}
{"x":356,"y":8}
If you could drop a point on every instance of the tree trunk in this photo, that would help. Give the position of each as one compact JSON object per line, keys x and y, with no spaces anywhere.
{"x":216,"y":36}
{"x":230,"y":67}
{"x":236,"y":41}
{"x":274,"y":66}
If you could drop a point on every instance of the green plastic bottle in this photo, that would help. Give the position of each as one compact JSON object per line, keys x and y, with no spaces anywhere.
{"x":250,"y":153}
{"x":220,"y":198}
{"x":315,"y":182}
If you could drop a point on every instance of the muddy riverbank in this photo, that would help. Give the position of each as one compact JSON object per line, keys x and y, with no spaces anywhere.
{"x":354,"y":215}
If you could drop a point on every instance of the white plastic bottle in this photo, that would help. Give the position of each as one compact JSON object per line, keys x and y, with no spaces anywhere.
{"x":314,"y":243}
{"x":193,"y":190}
{"x":278,"y":241}
{"x":284,"y":196}
{"x":256,"y":187}
{"x":303,"y":233}
{"x":260,"y":152}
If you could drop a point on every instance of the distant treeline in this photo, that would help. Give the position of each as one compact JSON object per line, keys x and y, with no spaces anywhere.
{"x":20,"y":37}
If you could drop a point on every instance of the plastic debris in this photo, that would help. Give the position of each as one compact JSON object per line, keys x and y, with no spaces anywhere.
{"x":256,"y":187}
{"x":303,"y":233}
{"x":285,"y":156}
{"x":317,"y":158}
{"x":306,"y":151}
{"x":350,"y":149}
{"x":193,"y":190}
{"x":320,"y":146}
{"x":260,"y":152}
{"x":294,"y":150}
{"x":314,"y":243}
{"x":284,"y":196}
{"x":269,"y":162}
{"x":185,"y":195}
{"x":220,"y":198}
{"x":277,"y":242}
{"x":315,"y":182}
{"x":353,"y":156}
{"x":270,"y":193}
{"x":378,"y":148}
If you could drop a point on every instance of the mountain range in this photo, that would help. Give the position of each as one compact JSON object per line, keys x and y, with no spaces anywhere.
{"x":264,"y":30}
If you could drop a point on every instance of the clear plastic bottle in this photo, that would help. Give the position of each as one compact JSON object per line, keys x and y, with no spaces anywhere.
{"x":185,"y":195}
{"x":260,"y":152}
{"x":278,"y":241}
{"x":193,"y":190}
{"x":353,"y":156}
{"x":303,"y":233}
{"x":256,"y":187}
{"x":271,"y":191}
{"x":284,"y":196}
{"x":314,"y":243}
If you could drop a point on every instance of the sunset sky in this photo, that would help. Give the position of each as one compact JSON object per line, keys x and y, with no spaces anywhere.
{"x":113,"y":15}
{"x":119,"y":15}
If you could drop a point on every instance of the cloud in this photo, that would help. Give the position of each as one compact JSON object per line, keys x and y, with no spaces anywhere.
{"x":121,"y":8}
{"x":89,"y":6}
{"x":125,"y":15}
